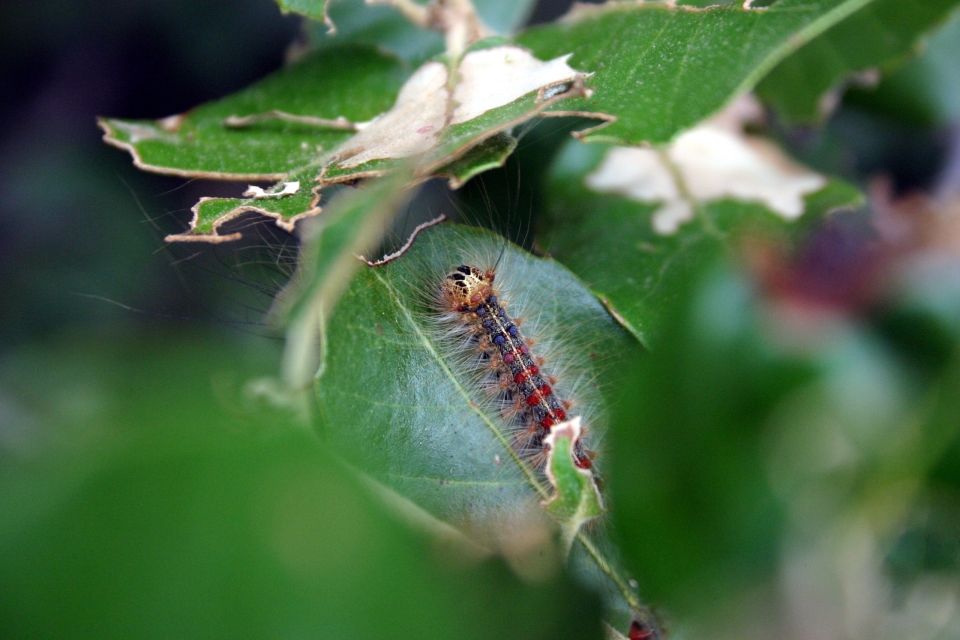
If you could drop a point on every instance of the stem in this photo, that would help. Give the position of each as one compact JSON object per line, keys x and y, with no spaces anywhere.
{"x":607,"y":569}
{"x":685,"y":193}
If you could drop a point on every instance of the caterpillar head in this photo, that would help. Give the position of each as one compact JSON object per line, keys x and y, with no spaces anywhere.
{"x":466,"y":287}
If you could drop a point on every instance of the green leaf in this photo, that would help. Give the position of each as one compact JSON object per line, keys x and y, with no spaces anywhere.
{"x":433,"y":120}
{"x":353,"y":225}
{"x":354,"y":82}
{"x":926,"y":89}
{"x":489,"y":154}
{"x":147,"y":506}
{"x":695,"y":515}
{"x":610,"y":242}
{"x":403,"y":404}
{"x":659,"y":69}
{"x":209,"y":214}
{"x":576,"y":499}
{"x":877,"y":37}
{"x":313,"y":9}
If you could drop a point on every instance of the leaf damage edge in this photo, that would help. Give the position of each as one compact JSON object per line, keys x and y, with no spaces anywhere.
{"x":287,"y":224}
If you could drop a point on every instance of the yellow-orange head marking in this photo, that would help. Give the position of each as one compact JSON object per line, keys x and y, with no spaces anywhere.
{"x":466,"y":287}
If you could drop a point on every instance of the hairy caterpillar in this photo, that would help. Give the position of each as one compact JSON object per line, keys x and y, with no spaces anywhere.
{"x":434,"y":407}
{"x":410,"y":390}
{"x":468,"y":296}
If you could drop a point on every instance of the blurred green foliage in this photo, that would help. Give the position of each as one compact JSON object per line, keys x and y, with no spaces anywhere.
{"x":145,"y":502}
{"x":784,"y":457}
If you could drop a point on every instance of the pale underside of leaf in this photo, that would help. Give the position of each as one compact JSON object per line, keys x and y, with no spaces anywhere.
{"x":426,"y":109}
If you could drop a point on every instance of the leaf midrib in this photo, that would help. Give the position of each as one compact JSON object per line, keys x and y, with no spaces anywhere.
{"x":428,"y":344}
{"x":603,"y":564}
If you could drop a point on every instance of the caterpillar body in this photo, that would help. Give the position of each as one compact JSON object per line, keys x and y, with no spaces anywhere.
{"x":524,"y":390}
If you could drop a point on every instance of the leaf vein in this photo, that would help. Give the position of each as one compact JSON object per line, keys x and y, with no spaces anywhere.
{"x":435,"y":354}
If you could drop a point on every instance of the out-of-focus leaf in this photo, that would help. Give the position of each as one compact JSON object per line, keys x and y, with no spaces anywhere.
{"x":504,"y":16}
{"x":875,"y":38}
{"x":659,"y":69}
{"x":696,"y":518}
{"x":610,"y":241}
{"x":739,"y":464}
{"x":180,"y":518}
{"x":926,"y":89}
{"x":313,"y":9}
{"x":404,"y":406}
{"x":357,"y":22}
{"x":352,"y":226}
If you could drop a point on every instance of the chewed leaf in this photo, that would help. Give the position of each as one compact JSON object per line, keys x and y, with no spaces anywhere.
{"x":494,"y":89}
{"x":576,"y":499}
{"x":659,"y":68}
{"x":273,"y":132}
{"x":399,"y":403}
{"x":713,"y":160}
{"x":295,"y":198}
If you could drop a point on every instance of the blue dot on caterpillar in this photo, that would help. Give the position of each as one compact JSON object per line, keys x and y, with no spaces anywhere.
{"x":469,"y":291}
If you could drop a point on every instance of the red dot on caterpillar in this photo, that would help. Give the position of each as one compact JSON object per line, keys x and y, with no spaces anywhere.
{"x":641,"y":631}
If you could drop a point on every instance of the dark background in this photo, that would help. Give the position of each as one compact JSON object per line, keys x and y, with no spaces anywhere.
{"x":81,"y":230}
